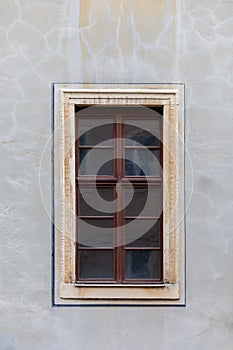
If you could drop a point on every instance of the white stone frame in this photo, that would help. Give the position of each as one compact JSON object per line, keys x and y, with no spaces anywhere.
{"x":172,"y":291}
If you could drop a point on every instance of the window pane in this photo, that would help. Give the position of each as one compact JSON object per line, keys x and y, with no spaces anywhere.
{"x":95,"y":232}
{"x":143,"y":132}
{"x":95,"y":264}
{"x":96,"y":161}
{"x":142,"y":264}
{"x":142,"y":233}
{"x":145,"y":201}
{"x":142,"y":162}
{"x":95,"y":131}
{"x":95,"y":202}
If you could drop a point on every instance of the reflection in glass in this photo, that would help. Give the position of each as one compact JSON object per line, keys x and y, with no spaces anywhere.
{"x":95,"y":232}
{"x":95,"y":161}
{"x":142,"y":264}
{"x":135,"y":134}
{"x":147,"y":239}
{"x":95,"y":264}
{"x":145,"y":201}
{"x":142,"y":162}
{"x":94,"y":131}
{"x":90,"y":204}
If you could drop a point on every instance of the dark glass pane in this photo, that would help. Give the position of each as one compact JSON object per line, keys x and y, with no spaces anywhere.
{"x":95,"y":264}
{"x":144,"y":202}
{"x":142,"y":264}
{"x":145,"y":135}
{"x":96,"y":161}
{"x":142,"y":233}
{"x":95,"y":201}
{"x":142,"y":162}
{"x":95,"y":131}
{"x":95,"y":232}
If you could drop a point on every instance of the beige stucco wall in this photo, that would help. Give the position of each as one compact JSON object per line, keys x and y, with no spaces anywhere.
{"x":128,"y":41}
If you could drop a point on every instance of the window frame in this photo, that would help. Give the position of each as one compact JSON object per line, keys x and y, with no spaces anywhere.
{"x":66,"y":290}
{"x":119,"y":119}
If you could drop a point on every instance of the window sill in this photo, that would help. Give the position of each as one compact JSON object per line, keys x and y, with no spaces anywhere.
{"x":117,"y":285}
{"x":103,"y":293}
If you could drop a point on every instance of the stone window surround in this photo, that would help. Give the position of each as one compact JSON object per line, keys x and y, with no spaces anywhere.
{"x":171,"y":97}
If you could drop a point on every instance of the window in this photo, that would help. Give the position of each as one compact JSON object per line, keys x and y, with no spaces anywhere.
{"x":118,"y":196}
{"x":118,"y":161}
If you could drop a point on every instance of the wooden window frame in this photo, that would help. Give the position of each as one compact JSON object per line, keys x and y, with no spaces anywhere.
{"x":66,"y":290}
{"x":119,"y":250}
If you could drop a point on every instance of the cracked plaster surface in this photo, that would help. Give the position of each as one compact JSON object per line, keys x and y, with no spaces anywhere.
{"x":115,"y":41}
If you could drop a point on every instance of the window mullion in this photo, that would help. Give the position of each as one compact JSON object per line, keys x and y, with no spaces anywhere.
{"x":119,"y":218}
{"x":119,"y":148}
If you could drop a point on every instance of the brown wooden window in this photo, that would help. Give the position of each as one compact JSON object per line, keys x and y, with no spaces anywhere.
{"x":119,"y":194}
{"x":119,"y":207}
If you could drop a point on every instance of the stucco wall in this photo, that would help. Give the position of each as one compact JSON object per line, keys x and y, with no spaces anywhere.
{"x":128,"y":41}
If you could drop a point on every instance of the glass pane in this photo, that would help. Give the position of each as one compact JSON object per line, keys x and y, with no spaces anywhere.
{"x":142,"y":132}
{"x":96,"y":161}
{"x":95,"y":201}
{"x":95,"y":131}
{"x":95,"y":264}
{"x":142,"y":162}
{"x":142,"y":264}
{"x":95,"y":232}
{"x":144,"y":201}
{"x":142,"y":233}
